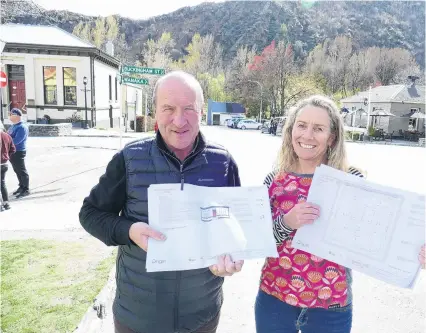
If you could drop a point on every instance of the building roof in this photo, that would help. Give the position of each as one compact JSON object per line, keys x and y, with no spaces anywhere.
{"x":21,"y":38}
{"x":396,"y":93}
{"x":40,"y":35}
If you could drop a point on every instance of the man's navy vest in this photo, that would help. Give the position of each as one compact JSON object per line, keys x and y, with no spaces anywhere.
{"x":167,"y":302}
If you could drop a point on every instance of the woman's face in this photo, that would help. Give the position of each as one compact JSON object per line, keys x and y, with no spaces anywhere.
{"x":311,"y":134}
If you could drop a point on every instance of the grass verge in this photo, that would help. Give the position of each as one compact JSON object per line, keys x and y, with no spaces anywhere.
{"x":47,"y":286}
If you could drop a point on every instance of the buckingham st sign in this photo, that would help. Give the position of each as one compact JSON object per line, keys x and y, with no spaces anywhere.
{"x":142,"y":70}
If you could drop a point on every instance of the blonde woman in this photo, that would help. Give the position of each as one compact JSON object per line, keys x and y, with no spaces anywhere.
{"x":299,"y":291}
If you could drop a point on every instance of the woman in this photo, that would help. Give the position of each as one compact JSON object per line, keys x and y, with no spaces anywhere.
{"x":300,"y":291}
{"x":7,"y":149}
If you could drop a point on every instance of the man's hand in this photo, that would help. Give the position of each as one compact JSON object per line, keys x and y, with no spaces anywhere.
{"x":301,"y":214}
{"x":140,"y":232}
{"x":226,"y":266}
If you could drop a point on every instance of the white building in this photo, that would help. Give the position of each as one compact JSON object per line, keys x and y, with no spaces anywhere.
{"x":403,"y":106}
{"x":47,"y":67}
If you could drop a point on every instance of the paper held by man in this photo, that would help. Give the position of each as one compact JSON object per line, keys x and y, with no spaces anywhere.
{"x":374,"y":229}
{"x":201,"y":223}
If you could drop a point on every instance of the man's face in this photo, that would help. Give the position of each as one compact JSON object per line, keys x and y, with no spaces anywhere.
{"x":178,"y":115}
{"x":14,"y":118}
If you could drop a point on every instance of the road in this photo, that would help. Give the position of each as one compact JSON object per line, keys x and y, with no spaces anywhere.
{"x":63,"y":170}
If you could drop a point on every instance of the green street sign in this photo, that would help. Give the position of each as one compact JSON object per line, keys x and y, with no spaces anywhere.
{"x":134,"y":80}
{"x":142,"y":70}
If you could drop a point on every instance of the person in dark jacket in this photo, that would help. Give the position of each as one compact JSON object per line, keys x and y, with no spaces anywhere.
{"x":19,"y":133}
{"x":7,"y":149}
{"x":116,"y":212}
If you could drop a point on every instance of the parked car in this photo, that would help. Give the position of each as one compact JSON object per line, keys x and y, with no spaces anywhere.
{"x":265,"y":127}
{"x":235,"y":122}
{"x":230,"y":122}
{"x":249,"y":124}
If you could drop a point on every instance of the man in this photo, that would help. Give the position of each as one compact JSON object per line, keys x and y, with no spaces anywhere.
{"x":161,"y":302}
{"x":19,"y":133}
{"x":7,"y":149}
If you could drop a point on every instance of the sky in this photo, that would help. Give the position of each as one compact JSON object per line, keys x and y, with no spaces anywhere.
{"x":135,"y":9}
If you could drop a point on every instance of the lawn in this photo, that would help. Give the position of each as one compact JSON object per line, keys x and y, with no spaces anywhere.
{"x":47,"y":286}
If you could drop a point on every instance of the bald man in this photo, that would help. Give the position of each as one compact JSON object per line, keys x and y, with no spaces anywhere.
{"x":116,"y":212}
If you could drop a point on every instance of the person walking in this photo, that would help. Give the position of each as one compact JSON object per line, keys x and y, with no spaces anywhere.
{"x":7,"y":150}
{"x":19,"y":133}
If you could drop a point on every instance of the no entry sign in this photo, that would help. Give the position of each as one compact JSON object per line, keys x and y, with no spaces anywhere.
{"x":3,"y":79}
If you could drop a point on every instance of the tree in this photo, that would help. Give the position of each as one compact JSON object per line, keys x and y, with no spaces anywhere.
{"x":203,"y":55}
{"x":337,"y":63}
{"x":393,"y":65}
{"x":102,"y":31}
{"x":359,"y":74}
{"x":157,"y":54}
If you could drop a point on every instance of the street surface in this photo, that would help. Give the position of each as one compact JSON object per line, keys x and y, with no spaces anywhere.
{"x":63,"y":170}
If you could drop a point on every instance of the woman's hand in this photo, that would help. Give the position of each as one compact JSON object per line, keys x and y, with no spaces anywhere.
{"x":301,"y":214}
{"x":422,"y":257}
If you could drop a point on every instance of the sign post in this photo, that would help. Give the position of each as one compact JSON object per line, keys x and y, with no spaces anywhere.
{"x":3,"y":83}
{"x":3,"y":79}
{"x":142,"y":70}
{"x":132,"y":78}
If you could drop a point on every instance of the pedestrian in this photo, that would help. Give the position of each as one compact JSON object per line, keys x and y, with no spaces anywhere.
{"x":7,"y":150}
{"x":298,"y":290}
{"x":116,"y":212}
{"x":19,"y":133}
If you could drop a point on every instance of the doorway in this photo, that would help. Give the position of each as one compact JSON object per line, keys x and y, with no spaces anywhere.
{"x":17,"y":95}
{"x":216,"y":119}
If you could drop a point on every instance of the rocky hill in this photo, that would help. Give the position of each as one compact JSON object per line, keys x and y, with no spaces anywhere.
{"x":235,"y":23}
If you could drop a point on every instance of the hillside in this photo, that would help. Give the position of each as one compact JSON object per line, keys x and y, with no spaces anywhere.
{"x":382,"y":23}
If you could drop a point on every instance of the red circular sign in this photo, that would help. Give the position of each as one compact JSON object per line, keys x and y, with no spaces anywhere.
{"x":3,"y":79}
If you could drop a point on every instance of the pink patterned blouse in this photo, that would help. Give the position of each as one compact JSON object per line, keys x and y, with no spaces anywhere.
{"x":297,"y":277}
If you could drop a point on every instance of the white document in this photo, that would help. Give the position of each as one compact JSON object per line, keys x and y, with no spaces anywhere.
{"x":374,"y":229}
{"x":201,"y":223}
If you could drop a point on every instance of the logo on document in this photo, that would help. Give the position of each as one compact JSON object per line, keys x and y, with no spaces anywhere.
{"x":214,"y":212}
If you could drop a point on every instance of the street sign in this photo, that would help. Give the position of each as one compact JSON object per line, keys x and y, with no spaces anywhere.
{"x":142,"y":70}
{"x":134,"y":80}
{"x":3,"y":79}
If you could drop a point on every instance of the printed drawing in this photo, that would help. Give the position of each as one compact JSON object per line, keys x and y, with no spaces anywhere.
{"x":214,"y":212}
{"x":363,"y":221}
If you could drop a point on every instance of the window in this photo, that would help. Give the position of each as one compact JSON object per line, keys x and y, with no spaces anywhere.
{"x":49,"y":83}
{"x":70,"y":85}
{"x":116,"y":89}
{"x":110,"y":88}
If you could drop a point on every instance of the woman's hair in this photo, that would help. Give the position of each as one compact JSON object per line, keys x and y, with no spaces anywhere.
{"x":336,"y":154}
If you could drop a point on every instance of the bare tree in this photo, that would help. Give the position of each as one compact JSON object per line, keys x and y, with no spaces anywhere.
{"x":394,"y":64}
{"x":337,"y":63}
{"x":359,"y":75}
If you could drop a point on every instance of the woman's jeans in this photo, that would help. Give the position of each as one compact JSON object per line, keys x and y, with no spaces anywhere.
{"x":275,"y":316}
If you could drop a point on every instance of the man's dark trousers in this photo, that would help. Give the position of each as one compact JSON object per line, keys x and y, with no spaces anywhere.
{"x":18,"y":164}
{"x":210,"y":327}
{"x":4,"y":195}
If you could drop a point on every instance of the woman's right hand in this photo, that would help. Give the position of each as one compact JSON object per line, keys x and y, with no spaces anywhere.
{"x":301,"y":214}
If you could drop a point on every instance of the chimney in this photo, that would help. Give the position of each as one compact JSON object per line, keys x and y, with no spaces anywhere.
{"x":413,"y":79}
{"x":109,"y":47}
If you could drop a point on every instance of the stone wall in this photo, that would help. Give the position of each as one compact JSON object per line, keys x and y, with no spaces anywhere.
{"x":140,"y":124}
{"x":63,"y":129}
